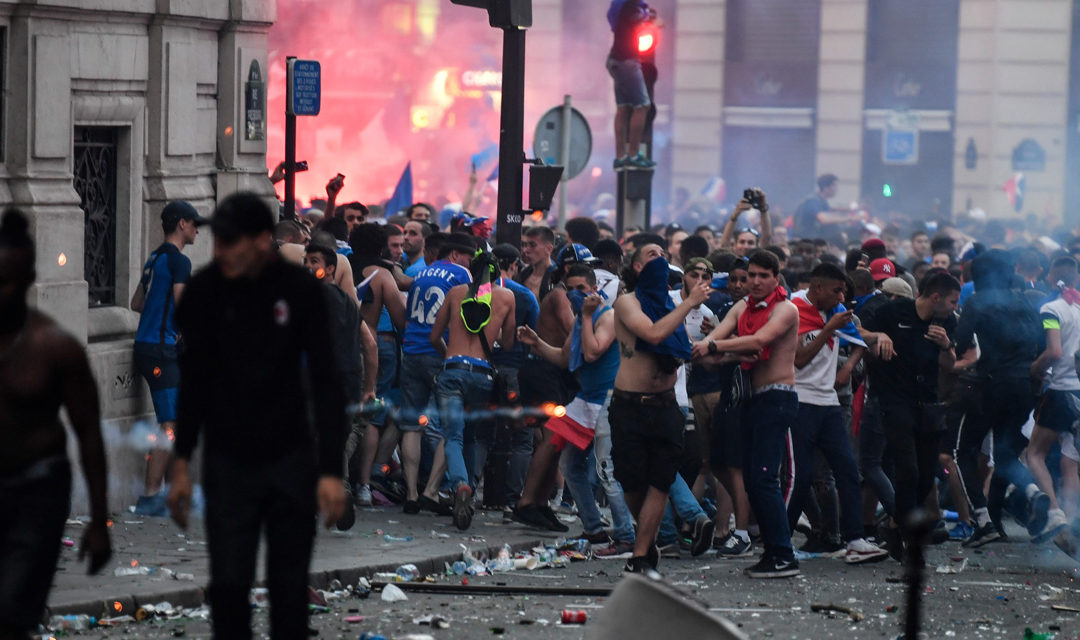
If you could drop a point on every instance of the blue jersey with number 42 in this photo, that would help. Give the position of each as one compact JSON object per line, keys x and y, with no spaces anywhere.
{"x":425,"y":298}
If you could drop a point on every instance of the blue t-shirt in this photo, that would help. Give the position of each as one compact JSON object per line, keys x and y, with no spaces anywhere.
{"x":526,"y":313}
{"x":425,"y":298}
{"x":598,"y":377}
{"x":165,"y":268}
{"x":413,"y":270}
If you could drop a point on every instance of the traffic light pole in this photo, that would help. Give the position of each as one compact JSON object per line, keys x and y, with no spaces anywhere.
{"x":511,"y":137}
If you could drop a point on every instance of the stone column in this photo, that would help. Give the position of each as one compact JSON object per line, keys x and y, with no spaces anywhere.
{"x":699,"y":93}
{"x":841,"y":80}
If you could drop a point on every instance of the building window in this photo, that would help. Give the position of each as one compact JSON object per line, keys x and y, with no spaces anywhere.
{"x":95,"y":182}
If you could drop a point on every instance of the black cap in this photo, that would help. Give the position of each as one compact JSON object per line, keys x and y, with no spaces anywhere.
{"x":506,"y":252}
{"x":463,"y":242}
{"x":178,"y":210}
{"x":241,"y":215}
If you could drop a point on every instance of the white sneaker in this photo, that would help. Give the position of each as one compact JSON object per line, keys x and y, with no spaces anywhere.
{"x":860,"y":551}
{"x":1055,"y":522}
{"x":363,"y":496}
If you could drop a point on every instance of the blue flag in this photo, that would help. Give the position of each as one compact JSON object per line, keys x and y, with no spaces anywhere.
{"x":402,"y":197}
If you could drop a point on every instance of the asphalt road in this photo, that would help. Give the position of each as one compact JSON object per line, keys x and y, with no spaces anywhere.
{"x":995,"y":592}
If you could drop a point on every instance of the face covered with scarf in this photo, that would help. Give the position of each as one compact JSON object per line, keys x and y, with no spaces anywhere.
{"x":651,"y":291}
{"x":577,"y":289}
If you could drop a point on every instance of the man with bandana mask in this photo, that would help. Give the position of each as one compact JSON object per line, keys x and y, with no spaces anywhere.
{"x":590,"y":354}
{"x":646,"y":423}
{"x":767,"y":326}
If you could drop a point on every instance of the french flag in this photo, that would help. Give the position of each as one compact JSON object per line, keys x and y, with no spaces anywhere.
{"x":715,"y":189}
{"x":1015,"y":188}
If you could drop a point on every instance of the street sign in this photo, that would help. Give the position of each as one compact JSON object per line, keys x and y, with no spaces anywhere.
{"x":547,"y":141}
{"x":1028,"y":156}
{"x":900,"y":146}
{"x":303,"y":88}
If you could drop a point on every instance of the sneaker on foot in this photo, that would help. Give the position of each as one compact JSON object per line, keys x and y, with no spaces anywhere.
{"x":860,"y":551}
{"x":641,"y":162}
{"x":363,"y":495}
{"x":701,"y":539}
{"x":615,"y":551}
{"x":803,"y":525}
{"x":670,"y":550}
{"x":1039,"y":510}
{"x":653,"y":556}
{"x":434,"y":506}
{"x":640,"y":565}
{"x":554,"y":524}
{"x":411,"y":507}
{"x":1055,"y":523}
{"x":767,"y":568}
{"x":823,"y":546}
{"x":463,"y":507}
{"x":599,"y":538}
{"x":621,"y":162}
{"x":154,"y":506}
{"x":961,"y":531}
{"x":735,"y":547}
{"x":982,"y":535}
{"x":531,"y":516}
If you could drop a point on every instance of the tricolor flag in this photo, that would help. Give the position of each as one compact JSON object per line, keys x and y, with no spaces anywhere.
{"x":715,"y":189}
{"x":1015,"y":188}
{"x":812,"y":319}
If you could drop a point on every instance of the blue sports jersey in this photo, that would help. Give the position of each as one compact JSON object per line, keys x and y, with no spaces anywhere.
{"x":415,"y":268}
{"x":165,"y":268}
{"x":425,"y":298}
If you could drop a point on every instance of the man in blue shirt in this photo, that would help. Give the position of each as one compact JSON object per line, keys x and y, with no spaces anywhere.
{"x":420,"y":363}
{"x":416,"y":233}
{"x":162,"y":282}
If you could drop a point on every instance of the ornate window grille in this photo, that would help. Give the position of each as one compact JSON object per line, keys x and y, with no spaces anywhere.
{"x":95,"y":182}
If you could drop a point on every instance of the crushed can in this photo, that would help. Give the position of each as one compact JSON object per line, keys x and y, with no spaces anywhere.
{"x":573,"y":617}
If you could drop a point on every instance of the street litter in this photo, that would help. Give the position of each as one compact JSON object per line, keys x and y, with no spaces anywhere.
{"x":389,"y":538}
{"x":854,"y":614}
{"x":952,"y":568}
{"x":391,"y":593}
{"x":435,"y":622}
{"x":1062,"y":607}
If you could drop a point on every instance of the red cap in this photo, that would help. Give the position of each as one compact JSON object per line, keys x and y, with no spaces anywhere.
{"x":882,"y":269}
{"x":873,"y":243}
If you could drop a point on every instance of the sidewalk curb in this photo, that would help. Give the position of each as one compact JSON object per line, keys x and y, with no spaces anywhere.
{"x":195,"y":596}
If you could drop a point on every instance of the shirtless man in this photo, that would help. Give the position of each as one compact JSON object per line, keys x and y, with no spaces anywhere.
{"x":383,"y":308}
{"x":466,"y":382}
{"x":41,"y":368}
{"x":767,"y":327}
{"x":646,"y":422}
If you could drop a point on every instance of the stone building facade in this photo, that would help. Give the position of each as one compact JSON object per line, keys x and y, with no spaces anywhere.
{"x":111,"y":108}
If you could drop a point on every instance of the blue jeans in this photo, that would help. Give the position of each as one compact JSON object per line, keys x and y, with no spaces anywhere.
{"x":460,"y":394}
{"x":686,"y":507}
{"x":579,"y":468}
{"x":621,"y":521}
{"x":766,"y":418}
{"x":822,"y":428}
{"x":386,"y":380}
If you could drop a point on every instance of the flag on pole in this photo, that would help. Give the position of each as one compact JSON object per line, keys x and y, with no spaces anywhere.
{"x":403,"y":196}
{"x":715,"y":189}
{"x":493,"y":179}
{"x":1015,"y":188}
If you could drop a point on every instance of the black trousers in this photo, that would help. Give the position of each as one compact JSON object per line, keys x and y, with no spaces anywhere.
{"x":912,"y":433}
{"x":242,"y":502}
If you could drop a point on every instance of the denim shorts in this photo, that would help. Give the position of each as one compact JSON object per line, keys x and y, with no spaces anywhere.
{"x":159,"y":366}
{"x":629,"y":80}
{"x":417,"y":382}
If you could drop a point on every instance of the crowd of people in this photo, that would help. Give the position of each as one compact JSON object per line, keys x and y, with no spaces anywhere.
{"x":674,"y":392}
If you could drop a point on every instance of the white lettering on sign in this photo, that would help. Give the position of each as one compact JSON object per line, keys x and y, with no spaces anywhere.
{"x":513,"y":218}
{"x":486,"y":79}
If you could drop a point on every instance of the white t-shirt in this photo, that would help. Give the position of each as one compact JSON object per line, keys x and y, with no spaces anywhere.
{"x":693,"y":328}
{"x":1062,"y":376}
{"x":815,"y":383}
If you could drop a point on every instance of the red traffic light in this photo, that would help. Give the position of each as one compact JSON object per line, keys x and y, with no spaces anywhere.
{"x":648,"y":36}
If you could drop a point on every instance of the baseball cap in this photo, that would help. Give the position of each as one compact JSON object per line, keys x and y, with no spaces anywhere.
{"x":873,"y":243}
{"x":576,"y":253}
{"x":505,"y":252}
{"x":178,"y":210}
{"x":882,"y":268}
{"x":693,"y":263}
{"x":897,"y":287}
{"x":241,"y":215}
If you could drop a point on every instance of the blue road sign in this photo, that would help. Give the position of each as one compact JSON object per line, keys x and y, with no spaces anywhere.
{"x":304,"y":88}
{"x":900,"y":146}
